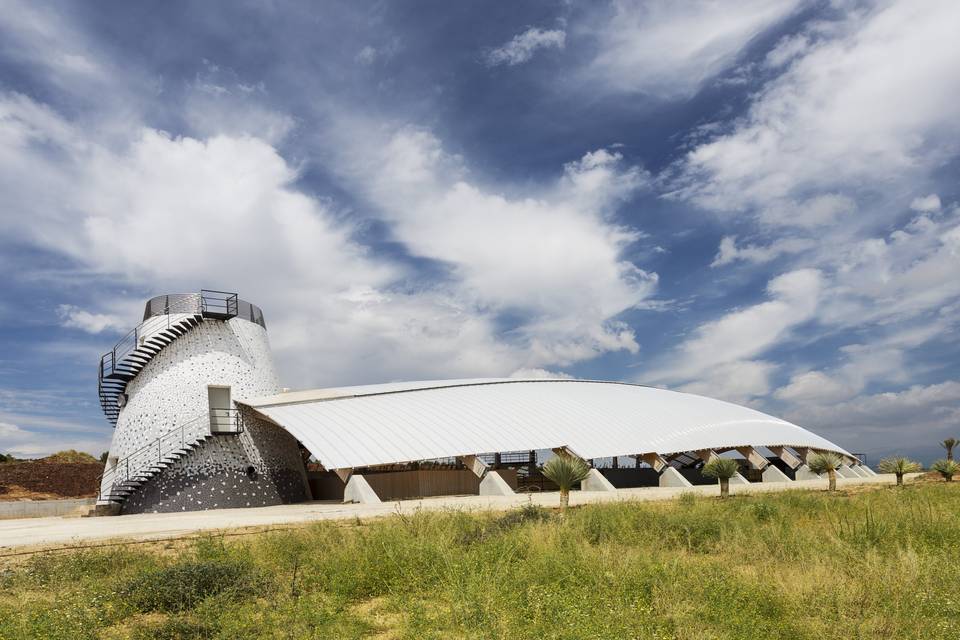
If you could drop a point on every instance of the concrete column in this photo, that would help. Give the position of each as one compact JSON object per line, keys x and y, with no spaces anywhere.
{"x":672,"y":478}
{"x":870,"y":472}
{"x":359,"y":490}
{"x":803,"y":472}
{"x":493,"y":484}
{"x":773,"y":474}
{"x":858,"y":469}
{"x":846,"y":472}
{"x":781,"y":452}
{"x":739,"y":479}
{"x":596,"y":482}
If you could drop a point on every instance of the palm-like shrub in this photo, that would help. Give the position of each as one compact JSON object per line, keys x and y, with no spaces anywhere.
{"x":565,"y":471}
{"x":949,"y":444}
{"x":898,"y":465}
{"x":722,"y":469}
{"x":826,"y":462}
{"x":946,"y":468}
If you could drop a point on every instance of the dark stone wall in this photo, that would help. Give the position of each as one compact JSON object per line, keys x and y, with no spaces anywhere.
{"x":259,"y":467}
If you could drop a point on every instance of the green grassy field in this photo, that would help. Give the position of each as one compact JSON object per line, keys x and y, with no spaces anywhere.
{"x":879,"y":563}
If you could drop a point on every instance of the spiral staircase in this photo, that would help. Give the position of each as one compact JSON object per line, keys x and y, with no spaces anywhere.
{"x":167,"y":318}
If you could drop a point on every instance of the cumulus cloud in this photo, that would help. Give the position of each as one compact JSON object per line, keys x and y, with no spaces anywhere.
{"x":735,"y":338}
{"x":908,"y":420}
{"x":669,"y":49}
{"x":850,"y":109}
{"x":523,"y":46}
{"x":77,"y":318}
{"x":223,"y":212}
{"x":553,"y":255}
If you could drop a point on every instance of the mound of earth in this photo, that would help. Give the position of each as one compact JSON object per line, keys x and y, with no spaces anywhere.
{"x":43,"y":479}
{"x":70,"y":456}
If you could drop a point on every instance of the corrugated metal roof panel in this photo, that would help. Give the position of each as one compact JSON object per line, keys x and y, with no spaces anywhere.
{"x":402,"y":422}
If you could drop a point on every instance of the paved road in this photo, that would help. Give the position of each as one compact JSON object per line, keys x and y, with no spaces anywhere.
{"x":66,"y":531}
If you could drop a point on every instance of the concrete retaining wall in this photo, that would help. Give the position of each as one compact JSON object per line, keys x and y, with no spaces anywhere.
{"x":45,"y":508}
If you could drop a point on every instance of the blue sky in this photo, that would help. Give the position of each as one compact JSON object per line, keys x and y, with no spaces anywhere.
{"x":755,"y":201}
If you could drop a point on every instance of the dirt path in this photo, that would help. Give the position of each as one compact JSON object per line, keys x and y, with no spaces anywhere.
{"x":16,"y":535}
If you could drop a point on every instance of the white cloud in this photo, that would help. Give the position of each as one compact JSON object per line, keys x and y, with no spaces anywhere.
{"x":26,"y":443}
{"x":669,"y":48}
{"x":166,"y":213}
{"x":538,"y":374}
{"x":521,"y":48}
{"x":786,"y":50}
{"x":816,"y":386}
{"x":851,"y":112}
{"x":737,"y":381}
{"x":912,"y":419}
{"x":367,"y":55}
{"x":729,"y":252}
{"x":76,"y":318}
{"x":551,"y":254}
{"x":744,"y":333}
{"x":926,"y":204}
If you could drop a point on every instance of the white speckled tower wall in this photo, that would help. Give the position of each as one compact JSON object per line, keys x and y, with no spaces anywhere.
{"x":172,"y":388}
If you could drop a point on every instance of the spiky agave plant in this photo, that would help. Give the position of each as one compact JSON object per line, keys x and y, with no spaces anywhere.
{"x":565,"y":471}
{"x":722,"y":469}
{"x":946,"y":468}
{"x":826,"y":462}
{"x":949,"y":444}
{"x":898,"y":465}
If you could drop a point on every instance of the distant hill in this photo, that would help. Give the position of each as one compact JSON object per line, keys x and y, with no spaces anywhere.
{"x":70,"y":456}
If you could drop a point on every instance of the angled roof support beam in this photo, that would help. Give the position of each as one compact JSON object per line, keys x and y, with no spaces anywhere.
{"x":753,"y":456}
{"x":784,"y":454}
{"x":476,"y":465}
{"x":491,"y":482}
{"x":595,"y":481}
{"x":655,"y":460}
{"x":706,"y":454}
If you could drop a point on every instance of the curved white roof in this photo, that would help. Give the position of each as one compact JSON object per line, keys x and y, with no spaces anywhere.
{"x":402,"y":422}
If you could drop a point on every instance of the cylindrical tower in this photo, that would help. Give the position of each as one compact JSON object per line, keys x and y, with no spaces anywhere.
{"x":180,"y":442}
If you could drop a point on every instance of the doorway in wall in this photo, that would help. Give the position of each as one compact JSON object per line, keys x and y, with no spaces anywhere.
{"x":221,"y":410}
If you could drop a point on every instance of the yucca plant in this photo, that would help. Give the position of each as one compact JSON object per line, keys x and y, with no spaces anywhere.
{"x":949,"y":444}
{"x":898,"y":465}
{"x":565,"y":471}
{"x":826,"y":462}
{"x":722,"y":469}
{"x":946,"y":468}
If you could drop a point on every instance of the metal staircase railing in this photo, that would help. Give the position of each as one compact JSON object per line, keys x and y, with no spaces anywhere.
{"x":135,"y":469}
{"x":133,"y":351}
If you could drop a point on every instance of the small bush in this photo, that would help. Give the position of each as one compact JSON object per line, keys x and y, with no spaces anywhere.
{"x":763,"y":511}
{"x":182,"y":586}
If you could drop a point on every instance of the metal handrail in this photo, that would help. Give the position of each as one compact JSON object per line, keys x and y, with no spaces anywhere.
{"x":192,"y":303}
{"x":138,"y":462}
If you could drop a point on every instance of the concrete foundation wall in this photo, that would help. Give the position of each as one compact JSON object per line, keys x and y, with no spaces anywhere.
{"x":402,"y":485}
{"x":45,"y":508}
